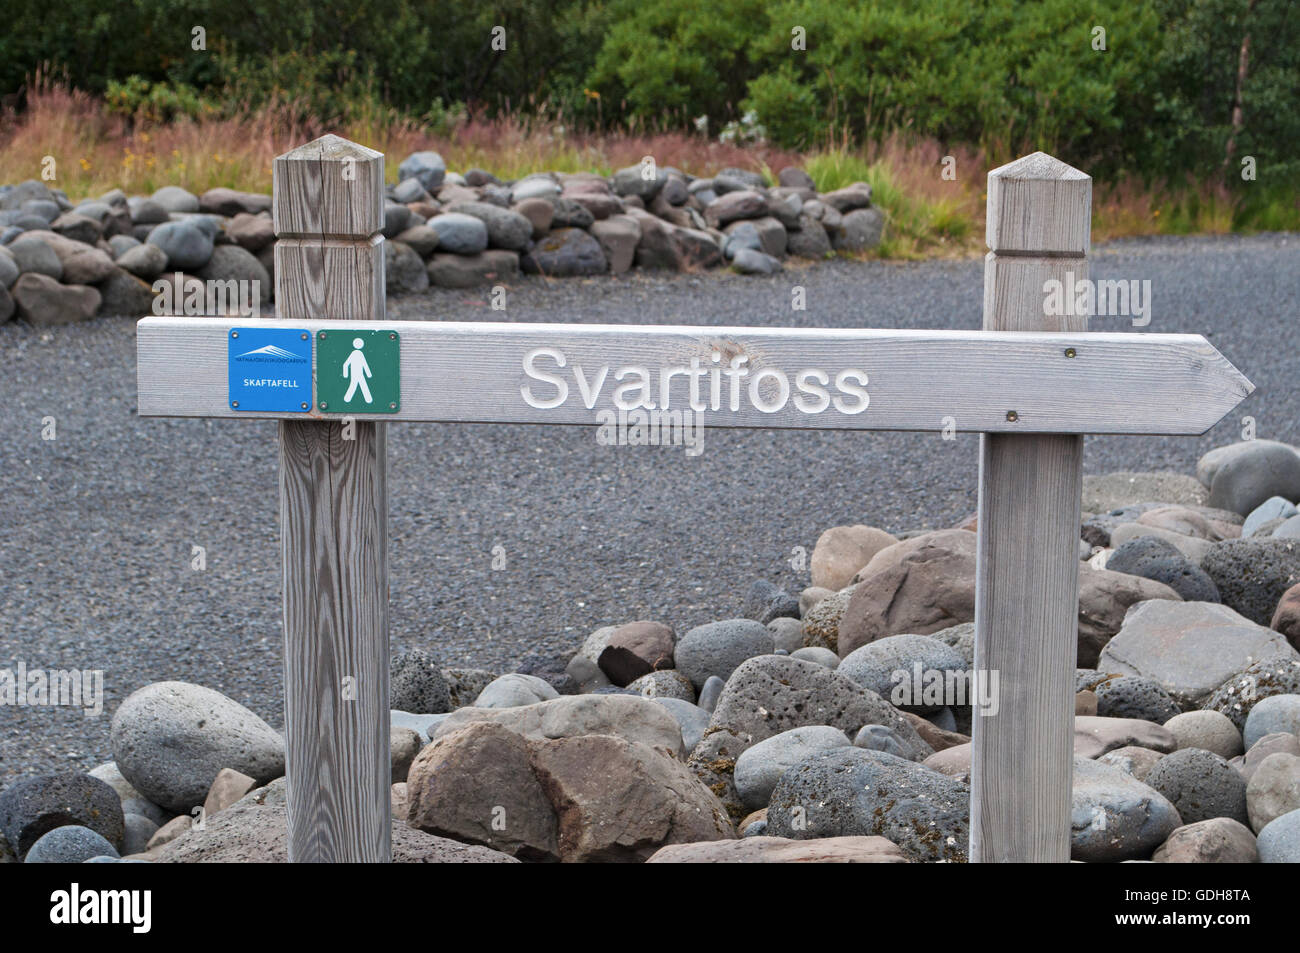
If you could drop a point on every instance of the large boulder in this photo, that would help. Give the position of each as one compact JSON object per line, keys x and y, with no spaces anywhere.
{"x":231,"y":202}
{"x":631,"y":717}
{"x":663,"y":245}
{"x":1240,"y":693}
{"x":1189,"y":648}
{"x":231,"y":263}
{"x":586,"y":798}
{"x":917,"y":586}
{"x":33,"y":806}
{"x":637,"y":649}
{"x":171,"y":739}
{"x":1114,"y":816}
{"x":855,"y":792}
{"x":860,"y":230}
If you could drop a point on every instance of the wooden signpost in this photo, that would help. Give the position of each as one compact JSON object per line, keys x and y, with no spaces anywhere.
{"x":334,"y":373}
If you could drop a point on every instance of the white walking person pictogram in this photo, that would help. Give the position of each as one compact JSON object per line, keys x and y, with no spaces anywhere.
{"x":355,"y":371}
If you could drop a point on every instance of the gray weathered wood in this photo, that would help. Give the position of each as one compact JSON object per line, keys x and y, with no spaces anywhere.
{"x":1027,"y":564}
{"x":334,"y":523}
{"x":1115,"y":383}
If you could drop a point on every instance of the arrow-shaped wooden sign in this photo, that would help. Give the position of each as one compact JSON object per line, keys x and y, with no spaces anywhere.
{"x":992,"y":382}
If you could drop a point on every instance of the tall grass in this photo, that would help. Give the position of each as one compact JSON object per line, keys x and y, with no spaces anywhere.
{"x":927,"y":214}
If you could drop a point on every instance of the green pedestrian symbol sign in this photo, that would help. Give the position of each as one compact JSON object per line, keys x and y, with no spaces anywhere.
{"x":357,"y":372}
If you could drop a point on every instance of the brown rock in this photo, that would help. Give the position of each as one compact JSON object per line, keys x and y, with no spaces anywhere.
{"x":843,"y":550}
{"x":636,"y":649}
{"x":953,"y":761}
{"x":82,"y":264}
{"x":617,"y":801}
{"x":1219,"y":840}
{"x":821,"y":623}
{"x":477,"y":785}
{"x":1104,"y":598}
{"x":1279,"y":741}
{"x":734,"y":206}
{"x":253,"y":232}
{"x":539,"y":213}
{"x":1133,"y":760}
{"x":1273,"y":789}
{"x":227,"y":787}
{"x":79,"y":228}
{"x":618,"y":236}
{"x":783,"y":850}
{"x":170,"y":831}
{"x":917,"y":586}
{"x":1094,"y":736}
{"x":403,"y":745}
{"x":1286,"y":618}
{"x":44,"y":302}
{"x":1085,"y":703}
{"x":1183,"y":520}
{"x":400,"y":800}
{"x":756,"y":817}
{"x":940,"y":739}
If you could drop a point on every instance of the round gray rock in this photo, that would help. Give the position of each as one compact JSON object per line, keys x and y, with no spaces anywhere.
{"x":1114,"y":816}
{"x":1154,"y":558}
{"x":1133,"y":696}
{"x":1277,"y":713}
{"x":1208,"y":730}
{"x":891,"y":666}
{"x":1254,"y":474}
{"x":1252,"y":574}
{"x":33,"y":806}
{"x":1201,"y":785}
{"x":69,"y":844}
{"x":718,"y":648}
{"x":514,"y":690}
{"x":1279,"y":841}
{"x":760,"y":767}
{"x":416,"y":683}
{"x":171,"y":739}
{"x":459,"y":233}
{"x":186,"y":243}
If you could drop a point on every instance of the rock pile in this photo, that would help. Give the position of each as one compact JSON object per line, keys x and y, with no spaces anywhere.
{"x":61,"y":262}
{"x":794,"y":733}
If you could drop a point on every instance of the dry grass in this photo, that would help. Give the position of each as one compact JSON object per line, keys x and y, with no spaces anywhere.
{"x":926,"y":215}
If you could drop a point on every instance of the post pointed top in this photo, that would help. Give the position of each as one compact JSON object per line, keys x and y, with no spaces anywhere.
{"x":1039,"y":205}
{"x":331,"y":148}
{"x":328,"y":188}
{"x":1039,"y":166}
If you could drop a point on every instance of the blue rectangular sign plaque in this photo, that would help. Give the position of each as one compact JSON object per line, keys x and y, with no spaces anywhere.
{"x":270,"y":369}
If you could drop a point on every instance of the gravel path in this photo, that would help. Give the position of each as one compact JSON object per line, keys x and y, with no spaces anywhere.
{"x":98,"y":525}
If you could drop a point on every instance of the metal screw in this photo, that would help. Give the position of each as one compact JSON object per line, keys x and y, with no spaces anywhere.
{"x":305,"y":336}
{"x":392,"y":337}
{"x":1070,"y":352}
{"x":1012,"y":416}
{"x":322,"y":335}
{"x":234,"y":403}
{"x":323,"y":405}
{"x":392,"y":405}
{"x":305,"y":405}
{"x":234,"y":334}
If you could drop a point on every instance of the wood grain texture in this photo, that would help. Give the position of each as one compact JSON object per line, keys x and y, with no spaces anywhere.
{"x":328,"y":276}
{"x":473,"y":372}
{"x":328,"y":188}
{"x":334,"y":547}
{"x":328,"y":196}
{"x":1027,"y":562}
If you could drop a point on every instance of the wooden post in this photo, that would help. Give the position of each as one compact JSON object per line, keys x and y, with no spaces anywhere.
{"x":329,"y":263}
{"x":1027,"y":590}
